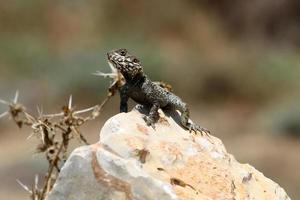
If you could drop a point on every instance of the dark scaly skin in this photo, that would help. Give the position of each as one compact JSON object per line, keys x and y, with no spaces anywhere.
{"x":145,"y":92}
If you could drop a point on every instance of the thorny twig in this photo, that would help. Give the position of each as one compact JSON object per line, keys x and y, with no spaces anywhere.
{"x":35,"y":193}
{"x":47,"y":183}
{"x":55,"y":131}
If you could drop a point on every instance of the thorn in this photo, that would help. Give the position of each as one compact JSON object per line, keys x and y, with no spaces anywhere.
{"x":40,"y":111}
{"x":70,"y":103}
{"x":4,"y":102}
{"x":48,"y":127}
{"x":78,"y":135}
{"x":54,"y":115}
{"x":31,"y":118}
{"x":42,"y":134}
{"x":16,"y":96}
{"x":106,"y":75}
{"x":98,"y":73}
{"x":36,"y":180}
{"x":85,"y":110}
{"x":112,"y":67}
{"x":24,"y":186}
{"x":113,"y":83}
{"x":3,"y":114}
{"x":30,"y":136}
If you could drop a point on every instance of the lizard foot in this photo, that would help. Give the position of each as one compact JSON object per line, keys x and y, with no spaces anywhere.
{"x":149,"y":121}
{"x":195,"y":128}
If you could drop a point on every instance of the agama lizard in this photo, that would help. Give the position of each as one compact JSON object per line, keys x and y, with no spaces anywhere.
{"x":142,"y":90}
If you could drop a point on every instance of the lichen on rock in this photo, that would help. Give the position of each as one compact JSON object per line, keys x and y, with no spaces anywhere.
{"x":135,"y":162}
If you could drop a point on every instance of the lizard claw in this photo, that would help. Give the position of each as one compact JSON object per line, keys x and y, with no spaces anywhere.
{"x":195,"y":128}
{"x":149,"y":121}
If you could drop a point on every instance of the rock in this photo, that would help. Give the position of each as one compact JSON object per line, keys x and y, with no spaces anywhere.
{"x":135,"y":162}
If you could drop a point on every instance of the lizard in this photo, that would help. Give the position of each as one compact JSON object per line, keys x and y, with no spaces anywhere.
{"x":137,"y":86}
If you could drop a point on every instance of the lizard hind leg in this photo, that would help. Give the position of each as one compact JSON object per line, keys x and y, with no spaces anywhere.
{"x":187,"y":123}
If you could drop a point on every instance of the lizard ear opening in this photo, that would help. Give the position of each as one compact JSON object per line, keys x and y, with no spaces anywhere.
{"x":140,"y":69}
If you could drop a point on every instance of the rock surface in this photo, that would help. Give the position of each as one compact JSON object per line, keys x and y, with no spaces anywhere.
{"x":135,"y":162}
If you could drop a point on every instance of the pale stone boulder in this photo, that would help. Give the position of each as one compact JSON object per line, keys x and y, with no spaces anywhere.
{"x":135,"y":162}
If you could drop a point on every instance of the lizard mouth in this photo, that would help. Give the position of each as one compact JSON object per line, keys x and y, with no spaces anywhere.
{"x":111,"y":62}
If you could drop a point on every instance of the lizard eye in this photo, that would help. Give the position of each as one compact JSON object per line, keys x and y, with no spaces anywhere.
{"x":122,"y":52}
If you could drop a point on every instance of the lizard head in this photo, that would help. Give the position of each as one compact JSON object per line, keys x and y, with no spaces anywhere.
{"x":128,"y":65}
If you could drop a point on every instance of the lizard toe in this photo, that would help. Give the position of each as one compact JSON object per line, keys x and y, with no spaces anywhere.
{"x":204,"y":131}
{"x":196,"y":129}
{"x":149,"y":121}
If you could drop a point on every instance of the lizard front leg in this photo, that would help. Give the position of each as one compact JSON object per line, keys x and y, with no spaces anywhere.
{"x":124,"y":99}
{"x":153,"y":115}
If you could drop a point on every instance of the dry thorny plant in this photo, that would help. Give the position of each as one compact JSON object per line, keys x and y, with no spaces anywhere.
{"x":55,"y":131}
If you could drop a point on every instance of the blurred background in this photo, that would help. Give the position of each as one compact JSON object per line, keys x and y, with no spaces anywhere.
{"x":236,"y":63}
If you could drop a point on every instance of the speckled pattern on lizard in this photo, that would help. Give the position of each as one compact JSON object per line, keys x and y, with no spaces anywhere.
{"x":147,"y":93}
